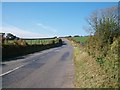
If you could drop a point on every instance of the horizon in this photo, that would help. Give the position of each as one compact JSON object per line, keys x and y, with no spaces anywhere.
{"x":48,"y":19}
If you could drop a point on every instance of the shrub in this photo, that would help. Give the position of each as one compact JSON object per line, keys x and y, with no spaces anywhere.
{"x":20,"y":42}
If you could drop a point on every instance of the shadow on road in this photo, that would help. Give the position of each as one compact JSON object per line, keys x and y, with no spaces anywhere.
{"x":64,"y":43}
{"x":64,"y":56}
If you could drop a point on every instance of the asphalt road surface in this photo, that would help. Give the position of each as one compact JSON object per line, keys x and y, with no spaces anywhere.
{"x":52,"y":68}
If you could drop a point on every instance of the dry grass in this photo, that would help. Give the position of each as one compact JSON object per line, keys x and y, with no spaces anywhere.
{"x":88,"y":73}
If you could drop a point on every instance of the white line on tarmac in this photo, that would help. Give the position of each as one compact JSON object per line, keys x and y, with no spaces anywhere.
{"x":11,"y":71}
{"x":57,"y":50}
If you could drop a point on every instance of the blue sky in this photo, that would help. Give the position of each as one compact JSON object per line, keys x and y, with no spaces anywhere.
{"x":48,"y":19}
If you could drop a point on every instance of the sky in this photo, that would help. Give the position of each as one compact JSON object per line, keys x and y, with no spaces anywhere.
{"x":48,"y":19}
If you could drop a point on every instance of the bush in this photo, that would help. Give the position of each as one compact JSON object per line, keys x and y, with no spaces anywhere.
{"x":20,"y":42}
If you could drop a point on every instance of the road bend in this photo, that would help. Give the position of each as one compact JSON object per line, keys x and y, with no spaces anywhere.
{"x":52,"y":68}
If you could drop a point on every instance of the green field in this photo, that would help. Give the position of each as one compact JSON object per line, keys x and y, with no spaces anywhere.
{"x":34,"y":41}
{"x":81,"y":39}
{"x":41,"y":41}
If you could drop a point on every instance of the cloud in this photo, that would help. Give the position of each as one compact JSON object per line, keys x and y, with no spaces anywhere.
{"x":47,"y":28}
{"x":21,"y":33}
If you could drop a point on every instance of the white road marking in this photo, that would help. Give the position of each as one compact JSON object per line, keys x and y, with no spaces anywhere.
{"x":11,"y":71}
{"x":16,"y":68}
{"x":57,"y":50}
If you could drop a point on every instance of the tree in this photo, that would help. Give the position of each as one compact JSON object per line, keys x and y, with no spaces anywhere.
{"x":76,"y":36}
{"x":104,"y":24}
{"x":11,"y":36}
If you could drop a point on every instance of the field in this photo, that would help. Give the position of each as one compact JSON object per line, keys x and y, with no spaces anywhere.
{"x":33,"y":41}
{"x":38,"y":41}
{"x":81,"y":39}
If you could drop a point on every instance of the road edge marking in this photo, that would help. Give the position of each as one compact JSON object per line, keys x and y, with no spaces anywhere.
{"x":10,"y":71}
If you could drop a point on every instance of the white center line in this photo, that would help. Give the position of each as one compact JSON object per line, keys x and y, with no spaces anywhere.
{"x":11,"y":71}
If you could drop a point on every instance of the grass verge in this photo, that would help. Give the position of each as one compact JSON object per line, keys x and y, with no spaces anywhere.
{"x":88,"y":73}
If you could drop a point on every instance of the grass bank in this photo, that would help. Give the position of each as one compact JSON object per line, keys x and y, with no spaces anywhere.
{"x":88,"y":73}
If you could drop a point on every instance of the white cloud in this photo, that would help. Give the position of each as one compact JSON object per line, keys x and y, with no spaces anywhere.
{"x":21,"y":33}
{"x":47,"y":28}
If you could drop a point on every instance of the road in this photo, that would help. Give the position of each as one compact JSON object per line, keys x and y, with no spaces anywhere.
{"x":52,"y":68}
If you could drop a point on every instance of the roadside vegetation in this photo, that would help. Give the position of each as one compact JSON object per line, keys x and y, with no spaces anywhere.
{"x":88,"y":73}
{"x":97,"y":61}
{"x":13,"y":46}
